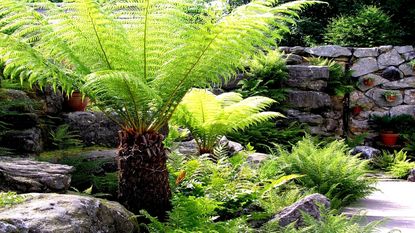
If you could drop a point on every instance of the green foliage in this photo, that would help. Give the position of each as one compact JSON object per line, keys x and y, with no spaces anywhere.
{"x":401,"y":166}
{"x":209,"y":117}
{"x":136,"y":58}
{"x":331,"y":222}
{"x":383,"y":162}
{"x":10,"y":198}
{"x":329,"y":170}
{"x":63,"y":138}
{"x":340,"y":80}
{"x":403,"y":123}
{"x":265,"y":76}
{"x":264,"y":135}
{"x":369,"y":27}
{"x":87,"y":172}
{"x":356,"y":140}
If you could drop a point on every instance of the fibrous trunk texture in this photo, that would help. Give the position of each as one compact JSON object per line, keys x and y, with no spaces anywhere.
{"x":143,"y":177}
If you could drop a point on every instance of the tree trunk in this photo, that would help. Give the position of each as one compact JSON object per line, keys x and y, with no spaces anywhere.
{"x":143,"y":177}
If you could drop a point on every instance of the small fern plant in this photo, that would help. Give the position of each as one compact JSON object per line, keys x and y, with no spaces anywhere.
{"x":209,"y":117}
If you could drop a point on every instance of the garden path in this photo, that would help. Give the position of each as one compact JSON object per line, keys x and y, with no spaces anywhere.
{"x":394,"y":201}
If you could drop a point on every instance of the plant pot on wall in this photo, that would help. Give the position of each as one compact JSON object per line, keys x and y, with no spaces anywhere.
{"x":390,"y":96}
{"x":75,"y":102}
{"x":356,"y":110}
{"x":389,"y":138}
{"x":368,"y":82}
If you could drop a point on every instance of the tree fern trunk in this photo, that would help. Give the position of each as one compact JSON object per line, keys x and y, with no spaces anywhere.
{"x":143,"y":177}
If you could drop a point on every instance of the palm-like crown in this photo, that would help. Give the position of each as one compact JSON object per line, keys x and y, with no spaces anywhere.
{"x":137,"y":58}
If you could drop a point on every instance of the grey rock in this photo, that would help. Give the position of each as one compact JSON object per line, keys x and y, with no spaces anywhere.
{"x":366,"y":52}
{"x":284,"y":49}
{"x":329,"y":51}
{"x":409,"y":96}
{"x":25,"y":141}
{"x":318,"y":130}
{"x":308,"y":100}
{"x":53,"y":101}
{"x":257,"y":158}
{"x":406,"y":69}
{"x":390,"y":58}
{"x":308,"y":72}
{"x":297,"y":50}
{"x":404,"y":49}
{"x":20,"y":121}
{"x":331,"y":124}
{"x":403,"y":109}
{"x":377,"y":80}
{"x":377,"y":95}
{"x":359,"y":98}
{"x":188,"y":148}
{"x":358,"y":125}
{"x":405,"y":83}
{"x":59,"y":213}
{"x":294,"y":213}
{"x":364,"y":66}
{"x":385,"y":48}
{"x":27,"y":175}
{"x":392,"y":73}
{"x":411,"y":176}
{"x":106,"y":159}
{"x":304,"y":117}
{"x":233,"y":147}
{"x":306,"y":84}
{"x":366,"y":152}
{"x":94,"y":128}
{"x":409,"y":56}
{"x":293,"y":59}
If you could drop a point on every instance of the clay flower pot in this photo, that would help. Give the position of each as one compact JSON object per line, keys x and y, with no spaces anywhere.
{"x":356,"y":110}
{"x":75,"y":102}
{"x":391,"y":98}
{"x":389,"y":138}
{"x":368,"y":82}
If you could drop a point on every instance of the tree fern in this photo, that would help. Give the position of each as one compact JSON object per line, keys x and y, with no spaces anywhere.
{"x":135,"y":57}
{"x":209,"y":117}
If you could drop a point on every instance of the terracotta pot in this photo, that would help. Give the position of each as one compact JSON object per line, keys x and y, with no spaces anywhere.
{"x":75,"y":102}
{"x":389,"y":139}
{"x":368,"y":82}
{"x":356,"y":110}
{"x":391,"y":98}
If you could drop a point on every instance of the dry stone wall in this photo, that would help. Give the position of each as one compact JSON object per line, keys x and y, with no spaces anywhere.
{"x":376,"y":72}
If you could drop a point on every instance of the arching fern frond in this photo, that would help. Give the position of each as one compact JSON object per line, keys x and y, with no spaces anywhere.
{"x":209,"y":117}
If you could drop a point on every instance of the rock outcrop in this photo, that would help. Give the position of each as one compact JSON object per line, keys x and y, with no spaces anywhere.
{"x":63,"y":213}
{"x":24,"y":175}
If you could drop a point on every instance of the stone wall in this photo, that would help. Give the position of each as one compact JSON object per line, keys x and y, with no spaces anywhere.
{"x":387,"y":66}
{"x":308,"y":102}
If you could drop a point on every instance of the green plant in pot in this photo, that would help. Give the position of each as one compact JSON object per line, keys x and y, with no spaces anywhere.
{"x":390,"y":127}
{"x":76,"y":102}
{"x":368,"y":81}
{"x":357,"y":109}
{"x":139,"y":68}
{"x":390,"y":96}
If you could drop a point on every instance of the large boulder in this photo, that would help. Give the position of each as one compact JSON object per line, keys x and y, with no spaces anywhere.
{"x":58,"y":213}
{"x":94,"y":128}
{"x":310,"y":205}
{"x":26,"y":175}
{"x":366,"y":52}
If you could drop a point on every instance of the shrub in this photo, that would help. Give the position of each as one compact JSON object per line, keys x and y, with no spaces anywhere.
{"x":369,"y":27}
{"x":329,"y":170}
{"x":265,"y":75}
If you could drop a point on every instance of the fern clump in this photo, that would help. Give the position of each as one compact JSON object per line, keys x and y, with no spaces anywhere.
{"x":329,"y":170}
{"x":209,"y":117}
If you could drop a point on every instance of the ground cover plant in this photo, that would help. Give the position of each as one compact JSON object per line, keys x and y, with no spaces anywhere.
{"x":138,"y":67}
